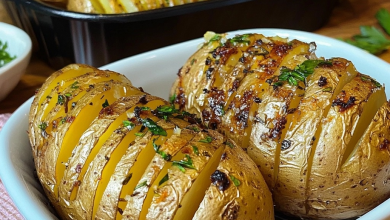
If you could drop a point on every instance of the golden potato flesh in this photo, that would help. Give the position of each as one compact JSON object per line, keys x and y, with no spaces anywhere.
{"x":302,"y":119}
{"x":103,"y":149}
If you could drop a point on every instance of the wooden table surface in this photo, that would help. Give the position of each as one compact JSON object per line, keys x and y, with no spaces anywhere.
{"x":344,"y":22}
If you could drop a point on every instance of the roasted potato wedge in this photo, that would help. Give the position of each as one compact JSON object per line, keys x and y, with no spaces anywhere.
{"x":104,"y":149}
{"x":305,"y":121}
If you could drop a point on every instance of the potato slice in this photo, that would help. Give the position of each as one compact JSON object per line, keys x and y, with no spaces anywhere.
{"x":350,"y":115}
{"x":229,"y":197}
{"x":156,"y":171}
{"x":167,"y":198}
{"x":322,"y":87}
{"x":268,"y":117}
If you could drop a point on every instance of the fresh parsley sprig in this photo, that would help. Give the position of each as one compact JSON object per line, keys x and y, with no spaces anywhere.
{"x":372,"y":39}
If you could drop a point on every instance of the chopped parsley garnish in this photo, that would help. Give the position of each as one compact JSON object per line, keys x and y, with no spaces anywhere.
{"x":63,"y":120}
{"x":61,"y":99}
{"x":5,"y":57}
{"x":163,"y":154}
{"x":184,"y":164}
{"x":68,"y":94}
{"x":299,"y":73}
{"x":235,"y":181}
{"x":164,"y":179}
{"x":196,"y":129}
{"x":195,"y":149}
{"x":42,"y":126}
{"x":216,"y":37}
{"x":165,"y":111}
{"x":172,"y":99}
{"x":240,"y":39}
{"x":383,"y":17}
{"x":229,"y":144}
{"x":74,"y":85}
{"x":372,"y":39}
{"x":193,"y":61}
{"x":139,"y":134}
{"x":105,"y":104}
{"x":128,"y":124}
{"x":145,"y":108}
{"x":153,"y":127}
{"x":144,"y":183}
{"x":208,"y":139}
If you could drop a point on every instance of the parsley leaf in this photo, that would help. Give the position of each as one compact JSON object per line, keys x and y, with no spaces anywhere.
{"x":144,"y":183}
{"x":208,"y":139}
{"x":153,"y":127}
{"x":43,"y":126}
{"x":372,"y":39}
{"x":236,"y":182}
{"x":74,"y":85}
{"x":128,"y":124}
{"x":172,"y":99}
{"x":195,"y":149}
{"x":184,"y":163}
{"x":164,"y":179}
{"x":299,"y":73}
{"x":165,"y":111}
{"x":240,"y":39}
{"x":4,"y":55}
{"x":105,"y":104}
{"x":163,"y":154}
{"x":383,"y":17}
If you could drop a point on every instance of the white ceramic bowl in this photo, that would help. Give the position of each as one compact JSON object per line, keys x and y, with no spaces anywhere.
{"x":19,"y":45}
{"x":158,"y":69}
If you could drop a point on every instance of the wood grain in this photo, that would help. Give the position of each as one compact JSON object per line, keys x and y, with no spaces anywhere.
{"x":344,"y":22}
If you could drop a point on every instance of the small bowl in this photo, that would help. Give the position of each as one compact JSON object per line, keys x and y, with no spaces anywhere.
{"x":19,"y":45}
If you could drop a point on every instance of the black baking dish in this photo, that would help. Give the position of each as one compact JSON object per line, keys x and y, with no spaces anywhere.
{"x":64,"y":37}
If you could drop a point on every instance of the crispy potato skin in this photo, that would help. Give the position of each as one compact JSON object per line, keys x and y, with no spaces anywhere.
{"x":298,"y":137}
{"x":103,"y":136}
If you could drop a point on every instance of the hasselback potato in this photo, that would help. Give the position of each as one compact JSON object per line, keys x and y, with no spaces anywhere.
{"x":104,"y":149}
{"x":317,"y":129}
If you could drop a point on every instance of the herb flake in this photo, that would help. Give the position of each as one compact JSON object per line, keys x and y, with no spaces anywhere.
{"x":105,"y":104}
{"x":235,"y":181}
{"x":164,"y":179}
{"x":208,"y":139}
{"x":153,"y":127}
{"x":144,"y":183}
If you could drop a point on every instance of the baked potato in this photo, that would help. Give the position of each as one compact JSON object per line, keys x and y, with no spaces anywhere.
{"x":104,"y":149}
{"x":317,"y":129}
{"x":118,"y":6}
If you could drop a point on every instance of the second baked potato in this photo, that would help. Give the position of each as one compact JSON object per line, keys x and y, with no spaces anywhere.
{"x":317,"y":129}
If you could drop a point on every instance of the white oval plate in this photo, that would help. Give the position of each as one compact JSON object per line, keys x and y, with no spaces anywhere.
{"x":155,"y":71}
